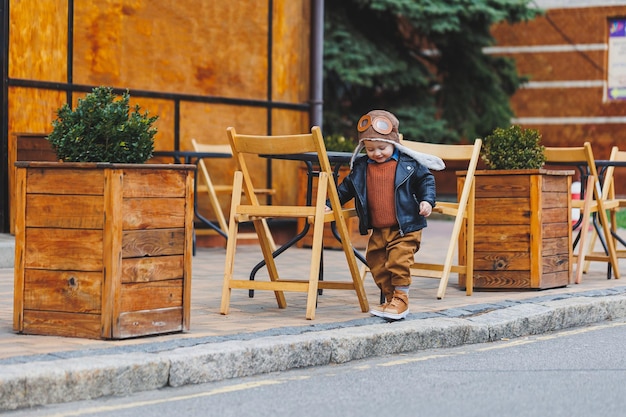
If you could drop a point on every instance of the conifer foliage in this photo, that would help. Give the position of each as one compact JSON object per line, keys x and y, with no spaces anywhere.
{"x":422,"y":60}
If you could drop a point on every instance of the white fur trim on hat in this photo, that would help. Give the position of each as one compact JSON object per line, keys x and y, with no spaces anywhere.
{"x":429,"y":161}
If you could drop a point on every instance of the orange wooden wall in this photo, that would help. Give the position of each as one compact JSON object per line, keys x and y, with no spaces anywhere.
{"x":202,"y":48}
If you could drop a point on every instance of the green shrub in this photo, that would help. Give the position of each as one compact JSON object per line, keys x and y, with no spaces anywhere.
{"x":339,"y":143}
{"x":621,"y":219}
{"x":102,"y":129}
{"x":513,"y":148}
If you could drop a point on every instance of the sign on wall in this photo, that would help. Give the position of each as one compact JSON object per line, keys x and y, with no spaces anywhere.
{"x":616,"y":74}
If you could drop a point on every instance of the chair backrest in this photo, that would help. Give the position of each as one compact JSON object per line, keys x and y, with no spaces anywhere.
{"x":608,"y":187}
{"x":447,"y":152}
{"x":203,"y":147}
{"x":452,"y":152}
{"x":243,"y":145}
{"x":203,"y":174}
{"x":576,"y":156}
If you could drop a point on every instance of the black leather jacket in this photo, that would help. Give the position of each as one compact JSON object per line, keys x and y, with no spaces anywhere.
{"x":414,"y":183}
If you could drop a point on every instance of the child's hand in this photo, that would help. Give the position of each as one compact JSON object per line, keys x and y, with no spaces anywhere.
{"x":327,"y":209}
{"x":425,"y":208}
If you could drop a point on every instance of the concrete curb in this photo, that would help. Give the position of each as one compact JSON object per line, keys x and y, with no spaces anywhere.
{"x":25,"y":385}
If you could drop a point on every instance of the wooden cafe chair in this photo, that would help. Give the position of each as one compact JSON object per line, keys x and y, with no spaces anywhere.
{"x":615,"y":205}
{"x":245,"y":146}
{"x":213,"y":190}
{"x":593,"y":203}
{"x":462,"y":211}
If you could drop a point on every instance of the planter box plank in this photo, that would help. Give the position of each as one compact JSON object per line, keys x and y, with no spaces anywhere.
{"x":508,"y":210}
{"x":68,"y":291}
{"x":504,"y":237}
{"x":142,"y":183}
{"x":153,"y":242}
{"x":151,"y":295}
{"x":522,"y":229}
{"x":146,"y":213}
{"x":143,"y":323}
{"x":502,"y":261}
{"x":555,"y":246}
{"x":64,"y":211}
{"x":63,"y":249}
{"x":109,"y":258}
{"x":62,"y":324}
{"x":152,"y":269}
{"x":556,"y":263}
{"x":505,"y":280}
{"x":64,"y":181}
{"x":551,"y":230}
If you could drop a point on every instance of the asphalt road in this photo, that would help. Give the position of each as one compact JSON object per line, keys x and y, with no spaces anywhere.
{"x":578,"y":372}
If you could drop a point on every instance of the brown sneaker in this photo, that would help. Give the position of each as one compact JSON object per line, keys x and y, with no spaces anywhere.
{"x":398,"y":307}
{"x":379,"y":310}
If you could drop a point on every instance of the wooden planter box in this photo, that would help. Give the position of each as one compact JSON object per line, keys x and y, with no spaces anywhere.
{"x":523,"y":236}
{"x":358,"y":240}
{"x":102,"y":250}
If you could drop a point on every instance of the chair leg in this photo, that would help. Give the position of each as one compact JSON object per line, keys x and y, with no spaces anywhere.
{"x":316,"y":246}
{"x":231,"y":244}
{"x":584,"y":230}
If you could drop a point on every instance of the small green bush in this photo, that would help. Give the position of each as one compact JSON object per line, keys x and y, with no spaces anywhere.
{"x":621,"y":219}
{"x":513,"y":148}
{"x":339,"y":143}
{"x":102,"y":129}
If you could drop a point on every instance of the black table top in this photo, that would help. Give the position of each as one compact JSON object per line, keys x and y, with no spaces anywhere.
{"x":333,"y":156}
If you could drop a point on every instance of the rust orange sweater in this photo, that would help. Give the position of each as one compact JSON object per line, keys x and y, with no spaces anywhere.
{"x":380,"y":193}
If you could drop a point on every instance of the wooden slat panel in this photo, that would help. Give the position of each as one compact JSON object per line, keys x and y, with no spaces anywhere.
{"x":551,"y":199}
{"x":494,"y":187}
{"x":154,"y":183}
{"x":556,"y":183}
{"x":513,"y":238}
{"x":20,"y":250}
{"x":501,"y":261}
{"x":536,"y":229}
{"x":153,"y":242}
{"x":65,"y":211}
{"x":556,"y":230}
{"x":188,"y":250}
{"x":555,"y":263}
{"x":555,"y":215}
{"x":554,"y":280}
{"x":65,"y":181}
{"x":152,"y":268}
{"x":63,"y":249}
{"x":68,"y":291}
{"x":62,"y":324}
{"x":502,"y":211}
{"x":112,"y":248}
{"x":144,"y":323}
{"x":556,"y":246}
{"x":151,"y":295}
{"x":502,"y":279}
{"x":153,"y":213}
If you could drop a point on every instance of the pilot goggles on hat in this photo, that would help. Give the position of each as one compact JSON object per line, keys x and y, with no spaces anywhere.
{"x":380,"y":124}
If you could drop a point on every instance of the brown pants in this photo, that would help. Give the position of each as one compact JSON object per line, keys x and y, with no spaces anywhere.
{"x":390,"y":256}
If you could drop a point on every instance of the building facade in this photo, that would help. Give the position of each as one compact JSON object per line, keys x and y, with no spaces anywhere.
{"x":201,"y":66}
{"x":575,"y":59}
